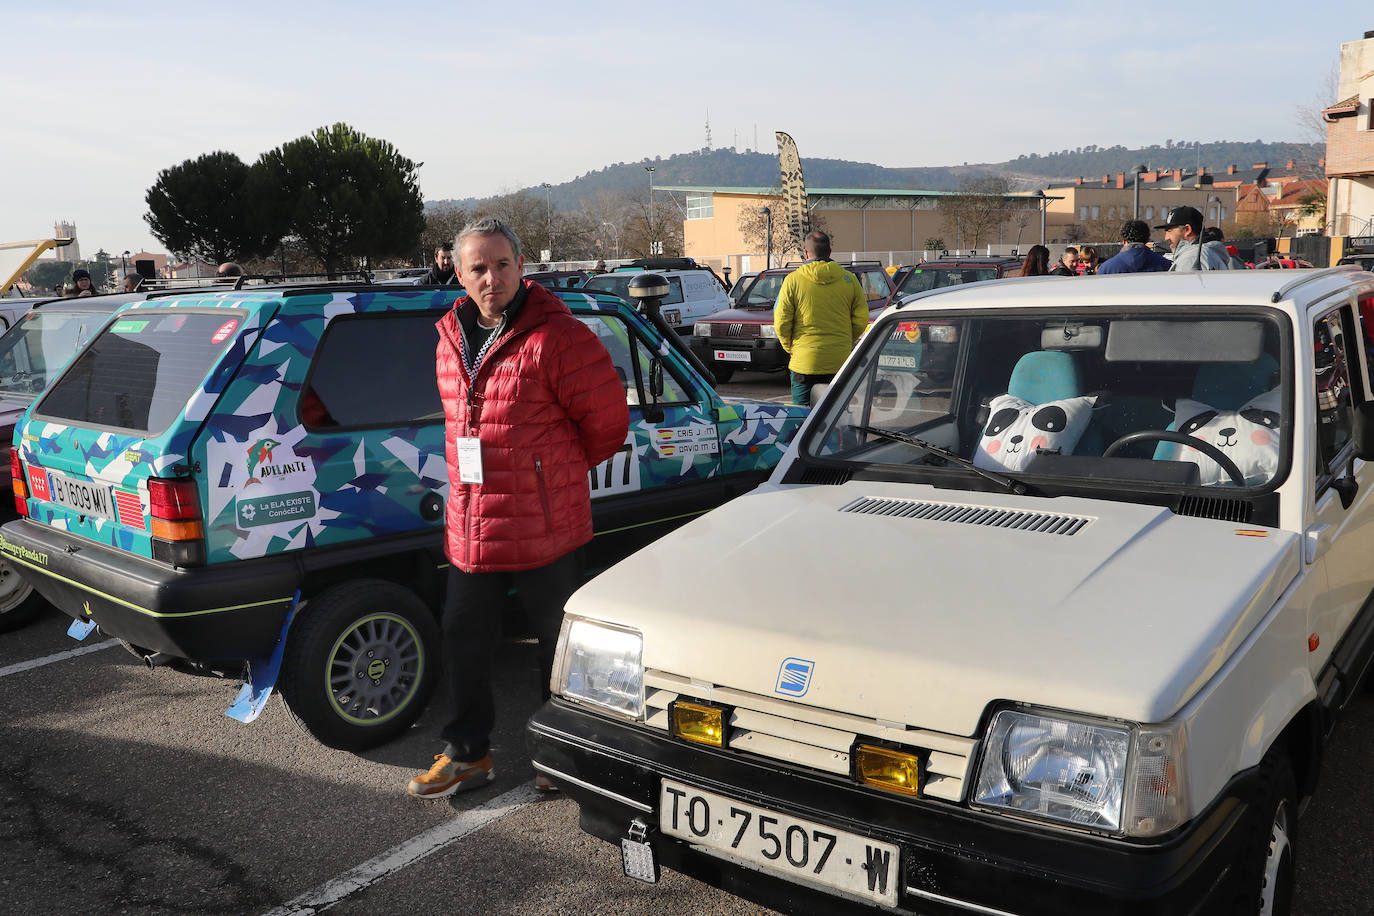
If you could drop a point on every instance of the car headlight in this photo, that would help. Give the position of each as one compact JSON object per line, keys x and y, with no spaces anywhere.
{"x":602,"y":665}
{"x":767,"y":330}
{"x":702,"y":329}
{"x":1126,"y":780}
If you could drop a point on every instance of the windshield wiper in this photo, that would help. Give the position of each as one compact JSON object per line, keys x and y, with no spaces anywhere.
{"x":1008,"y":483}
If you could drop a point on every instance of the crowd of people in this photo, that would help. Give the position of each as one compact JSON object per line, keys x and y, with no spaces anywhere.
{"x":1186,"y":246}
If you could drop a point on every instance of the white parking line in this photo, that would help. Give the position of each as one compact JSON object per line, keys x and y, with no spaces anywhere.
{"x":59,"y":657}
{"x":405,"y":854}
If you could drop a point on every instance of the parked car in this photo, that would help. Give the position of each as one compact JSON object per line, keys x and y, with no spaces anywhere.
{"x":741,"y":286}
{"x":32,"y":353}
{"x":696,"y":291}
{"x":743,"y":337}
{"x":952,"y":271}
{"x":254,"y":481}
{"x":1061,"y":628}
{"x":559,"y":279}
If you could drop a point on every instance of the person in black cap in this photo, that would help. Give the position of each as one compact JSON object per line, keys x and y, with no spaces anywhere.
{"x":1183,"y":229}
{"x":81,"y":283}
{"x":1135,"y":256}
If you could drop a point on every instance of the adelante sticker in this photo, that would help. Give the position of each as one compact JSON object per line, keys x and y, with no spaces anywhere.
{"x":225,"y":330}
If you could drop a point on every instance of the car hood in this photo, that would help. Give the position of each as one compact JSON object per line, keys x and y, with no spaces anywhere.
{"x":925,"y":622}
{"x":761,"y":315}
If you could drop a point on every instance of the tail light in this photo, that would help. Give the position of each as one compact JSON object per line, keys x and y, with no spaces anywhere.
{"x":21,"y":489}
{"x":177,"y":530}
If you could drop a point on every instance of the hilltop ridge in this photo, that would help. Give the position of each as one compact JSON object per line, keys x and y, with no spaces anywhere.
{"x":729,"y":168}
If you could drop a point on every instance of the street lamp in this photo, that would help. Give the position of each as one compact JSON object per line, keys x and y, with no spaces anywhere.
{"x":1040,"y":193}
{"x":548,"y":214}
{"x":123,"y":269}
{"x":1135,"y":212}
{"x":615,"y":229}
{"x":768,"y":234}
{"x":650,"y":170}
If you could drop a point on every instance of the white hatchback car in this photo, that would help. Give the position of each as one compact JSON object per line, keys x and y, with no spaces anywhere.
{"x":1049,"y":609}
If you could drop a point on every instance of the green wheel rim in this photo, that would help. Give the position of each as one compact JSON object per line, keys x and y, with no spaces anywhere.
{"x":374,"y":669}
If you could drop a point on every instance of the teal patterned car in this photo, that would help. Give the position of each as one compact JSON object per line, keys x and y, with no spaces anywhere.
{"x":253,"y":481}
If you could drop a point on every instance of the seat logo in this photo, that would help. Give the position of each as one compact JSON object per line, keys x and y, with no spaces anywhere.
{"x":736,"y":329}
{"x":794,"y":677}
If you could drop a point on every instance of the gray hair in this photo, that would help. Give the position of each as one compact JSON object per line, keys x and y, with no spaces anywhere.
{"x":488,"y":225}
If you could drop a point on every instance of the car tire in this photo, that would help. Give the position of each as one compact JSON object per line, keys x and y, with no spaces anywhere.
{"x":1266,"y":870}
{"x":19,"y":601}
{"x":360,"y":663}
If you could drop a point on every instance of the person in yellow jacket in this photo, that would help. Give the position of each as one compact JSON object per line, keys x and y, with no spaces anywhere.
{"x":820,"y":314}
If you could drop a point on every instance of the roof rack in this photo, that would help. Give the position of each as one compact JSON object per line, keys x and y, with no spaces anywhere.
{"x":662,"y":264}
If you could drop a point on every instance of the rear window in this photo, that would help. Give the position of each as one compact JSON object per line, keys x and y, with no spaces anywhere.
{"x":922,"y":279}
{"x":619,"y":285}
{"x":36,"y":349}
{"x":138,"y":373}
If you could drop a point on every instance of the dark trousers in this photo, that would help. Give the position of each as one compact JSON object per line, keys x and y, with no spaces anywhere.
{"x":473,"y":607}
{"x":801,"y":386}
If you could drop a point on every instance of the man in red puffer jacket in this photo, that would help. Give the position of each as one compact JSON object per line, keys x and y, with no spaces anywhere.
{"x":531,"y":402}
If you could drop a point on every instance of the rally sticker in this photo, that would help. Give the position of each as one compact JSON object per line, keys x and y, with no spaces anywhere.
{"x":911,"y":330}
{"x":128,"y":326}
{"x":685,"y":440}
{"x":256,"y":511}
{"x":225,"y":330}
{"x":1252,"y":533}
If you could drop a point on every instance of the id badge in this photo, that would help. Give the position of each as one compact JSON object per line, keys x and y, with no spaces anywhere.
{"x":469,"y":459}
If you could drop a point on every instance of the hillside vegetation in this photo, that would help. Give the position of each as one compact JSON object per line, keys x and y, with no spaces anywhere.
{"x":727,"y":168}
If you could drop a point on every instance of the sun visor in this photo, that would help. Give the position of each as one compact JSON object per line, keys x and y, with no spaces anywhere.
{"x":1182,"y":341}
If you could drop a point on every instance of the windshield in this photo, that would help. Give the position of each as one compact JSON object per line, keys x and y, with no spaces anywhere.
{"x":619,"y":285}
{"x":36,"y":349}
{"x":922,"y":279}
{"x":1169,"y":399}
{"x":764,"y":292}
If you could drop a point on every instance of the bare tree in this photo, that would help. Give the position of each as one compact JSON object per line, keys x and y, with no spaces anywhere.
{"x":753,"y":227}
{"x":1311,"y":125}
{"x":442,"y":224}
{"x":976,"y":210}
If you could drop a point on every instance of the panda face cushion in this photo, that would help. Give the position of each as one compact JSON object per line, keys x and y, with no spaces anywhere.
{"x":1248,"y":436}
{"x":1016,"y":428}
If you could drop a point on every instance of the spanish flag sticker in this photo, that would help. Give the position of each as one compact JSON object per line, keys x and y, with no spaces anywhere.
{"x":1252,"y":533}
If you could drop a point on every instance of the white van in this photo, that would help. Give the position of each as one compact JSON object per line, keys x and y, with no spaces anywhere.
{"x":695,"y":290}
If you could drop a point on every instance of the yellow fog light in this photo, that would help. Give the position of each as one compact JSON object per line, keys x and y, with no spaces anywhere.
{"x":885,"y":768}
{"x":697,"y":722}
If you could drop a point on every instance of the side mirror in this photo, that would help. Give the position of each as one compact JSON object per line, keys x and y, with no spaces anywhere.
{"x":656,"y":379}
{"x":1362,"y":431}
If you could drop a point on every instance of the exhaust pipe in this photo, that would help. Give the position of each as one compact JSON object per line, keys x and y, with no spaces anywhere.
{"x":158,"y":659}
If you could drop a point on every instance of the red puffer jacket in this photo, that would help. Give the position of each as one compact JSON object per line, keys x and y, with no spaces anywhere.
{"x":548,"y":405}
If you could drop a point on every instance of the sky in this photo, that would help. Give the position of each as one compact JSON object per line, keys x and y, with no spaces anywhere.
{"x":493,"y":97}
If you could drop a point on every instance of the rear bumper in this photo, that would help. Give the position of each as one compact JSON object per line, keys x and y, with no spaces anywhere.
{"x":765,"y":353}
{"x":952,"y":860}
{"x":215,"y":613}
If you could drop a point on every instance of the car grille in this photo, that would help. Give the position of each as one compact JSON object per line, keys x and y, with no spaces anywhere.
{"x":806,"y":736}
{"x":738,"y":329}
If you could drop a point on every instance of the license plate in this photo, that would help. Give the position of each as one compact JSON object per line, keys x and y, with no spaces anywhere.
{"x":732,"y":356}
{"x":887,"y":361}
{"x":81,"y":496}
{"x":789,"y":846}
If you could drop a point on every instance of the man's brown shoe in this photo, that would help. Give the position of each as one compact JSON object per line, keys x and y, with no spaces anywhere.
{"x":449,"y":776}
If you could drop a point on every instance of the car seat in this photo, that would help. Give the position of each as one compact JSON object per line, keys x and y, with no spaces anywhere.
{"x":1226,"y":386}
{"x":1052,"y":375}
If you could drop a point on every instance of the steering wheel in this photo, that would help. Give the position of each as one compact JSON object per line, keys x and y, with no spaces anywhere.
{"x":1169,"y":435}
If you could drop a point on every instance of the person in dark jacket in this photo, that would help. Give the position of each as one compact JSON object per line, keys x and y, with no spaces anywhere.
{"x":1135,"y":256}
{"x":443,"y":272}
{"x":531,"y":402}
{"x":1064,"y":267}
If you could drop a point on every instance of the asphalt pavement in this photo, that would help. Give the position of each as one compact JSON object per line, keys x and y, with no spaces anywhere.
{"x":127,"y":790}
